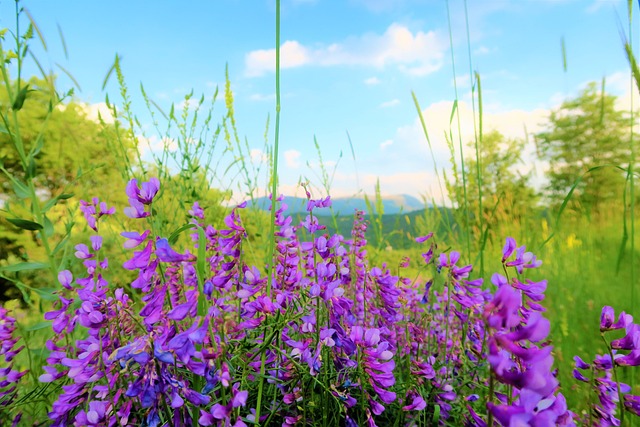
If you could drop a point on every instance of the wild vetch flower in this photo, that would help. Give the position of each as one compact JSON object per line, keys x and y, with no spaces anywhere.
{"x":134,"y":238}
{"x":320,"y":203}
{"x":607,"y":319}
{"x":65,"y":278}
{"x":196,"y":211}
{"x":632,"y":404}
{"x":9,"y":377}
{"x":509,"y":248}
{"x":631,"y":341}
{"x":515,"y":357}
{"x":523,"y":259}
{"x":94,"y":211}
{"x":143,"y":193}
{"x":502,"y":311}
{"x":165,"y":253}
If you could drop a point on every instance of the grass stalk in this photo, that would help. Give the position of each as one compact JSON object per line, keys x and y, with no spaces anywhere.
{"x":477,"y":142}
{"x":274,"y":189}
{"x":457,"y":112}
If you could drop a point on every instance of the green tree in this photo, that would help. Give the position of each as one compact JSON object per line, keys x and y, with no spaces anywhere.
{"x":71,"y":154}
{"x":584,"y":133}
{"x":498,"y":192}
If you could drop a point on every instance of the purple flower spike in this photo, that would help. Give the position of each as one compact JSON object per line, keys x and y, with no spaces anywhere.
{"x":423,"y":239}
{"x":136,"y":210}
{"x":65,"y":278}
{"x":607,"y":319}
{"x":82,"y":251}
{"x":145,"y":193}
{"x":96,"y":242}
{"x":631,"y":341}
{"x":196,"y":211}
{"x":509,"y":248}
{"x":631,"y":359}
{"x":166,"y":254}
{"x":632,"y":404}
{"x":134,"y":238}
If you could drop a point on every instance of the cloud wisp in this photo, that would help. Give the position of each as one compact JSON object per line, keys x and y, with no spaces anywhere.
{"x":415,"y":53}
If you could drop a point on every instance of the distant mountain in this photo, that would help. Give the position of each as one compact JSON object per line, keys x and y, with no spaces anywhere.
{"x":392,"y":205}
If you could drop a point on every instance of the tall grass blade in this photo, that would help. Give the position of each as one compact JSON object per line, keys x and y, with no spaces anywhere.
{"x":63,"y":41}
{"x":564,"y":54}
{"x":467,"y":230}
{"x":355,"y":162}
{"x":632,"y":160}
{"x":274,"y":190}
{"x":110,"y":72}
{"x":426,"y":135}
{"x":36,"y":28}
{"x":68,"y":74}
{"x":478,"y":146}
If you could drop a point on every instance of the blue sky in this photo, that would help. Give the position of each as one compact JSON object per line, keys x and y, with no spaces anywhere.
{"x":347,"y":66}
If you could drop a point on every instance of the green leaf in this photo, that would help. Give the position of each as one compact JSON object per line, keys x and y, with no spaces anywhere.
{"x":38,"y":326}
{"x":38,"y":145}
{"x":174,"y":236}
{"x":22,"y":266}
{"x":52,"y":202}
{"x":20,"y":98}
{"x":436,"y":414}
{"x":21,"y":190}
{"x":31,"y":169}
{"x":453,"y":111}
{"x":200,"y":270}
{"x":48,"y":227}
{"x":60,"y":245}
{"x":25,"y":224}
{"x":46,"y":293}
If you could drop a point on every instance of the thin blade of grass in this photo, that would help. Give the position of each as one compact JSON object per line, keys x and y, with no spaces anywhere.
{"x":110,"y":72}
{"x":563,"y":46}
{"x":68,"y":74}
{"x":63,"y":41}
{"x":35,"y":27}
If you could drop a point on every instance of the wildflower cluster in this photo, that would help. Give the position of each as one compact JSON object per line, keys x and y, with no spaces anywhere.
{"x":9,"y":377}
{"x":201,"y":337}
{"x":613,"y":396}
{"x":519,"y":357}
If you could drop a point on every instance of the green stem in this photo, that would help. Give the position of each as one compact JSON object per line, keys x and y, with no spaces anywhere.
{"x":615,"y":377}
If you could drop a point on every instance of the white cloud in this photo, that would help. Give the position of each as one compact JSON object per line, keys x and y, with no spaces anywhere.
{"x":292,"y":158}
{"x":416,"y":53}
{"x":599,"y":4}
{"x":482,"y":50}
{"x":153,"y":143}
{"x":189,"y":104}
{"x":411,"y":149}
{"x":258,"y":156}
{"x":262,"y":97}
{"x":98,"y":111}
{"x":389,"y":104}
{"x":419,"y":183}
{"x":372,"y":81}
{"x":292,"y":54}
{"x":386,"y":144}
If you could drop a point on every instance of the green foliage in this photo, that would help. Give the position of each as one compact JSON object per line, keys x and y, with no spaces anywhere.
{"x":584,"y":133}
{"x":67,"y":155}
{"x":498,"y":192}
